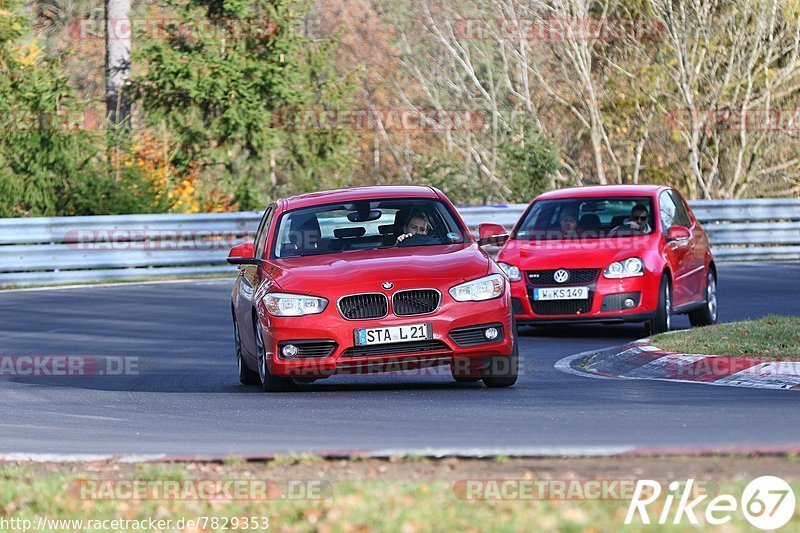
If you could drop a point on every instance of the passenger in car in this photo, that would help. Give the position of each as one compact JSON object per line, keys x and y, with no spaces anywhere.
{"x":569,"y":226}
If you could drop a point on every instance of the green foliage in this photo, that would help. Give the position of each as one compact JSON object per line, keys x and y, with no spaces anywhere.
{"x":50,"y":162}
{"x":221,"y":92}
{"x":39,"y":158}
{"x":447,"y":174}
{"x":528,"y":162}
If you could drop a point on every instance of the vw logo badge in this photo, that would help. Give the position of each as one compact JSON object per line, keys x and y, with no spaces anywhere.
{"x":387,"y":285}
{"x":561,"y":276}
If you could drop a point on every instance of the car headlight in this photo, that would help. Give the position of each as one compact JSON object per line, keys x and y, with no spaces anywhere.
{"x":281,"y":304}
{"x":511,"y":271}
{"x":479,"y":289}
{"x":627,"y":268}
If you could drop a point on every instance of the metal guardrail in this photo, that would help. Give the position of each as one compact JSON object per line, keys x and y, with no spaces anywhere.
{"x":125,"y":247}
{"x":751,"y":230}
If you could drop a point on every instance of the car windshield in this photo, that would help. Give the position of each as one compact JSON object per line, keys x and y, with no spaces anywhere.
{"x":587,"y":218}
{"x":365,"y":225}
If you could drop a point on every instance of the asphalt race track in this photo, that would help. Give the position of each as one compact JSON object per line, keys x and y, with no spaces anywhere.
{"x":186,"y":399}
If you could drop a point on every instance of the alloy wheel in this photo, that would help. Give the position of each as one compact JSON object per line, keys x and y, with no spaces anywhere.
{"x":668,"y":306}
{"x":711,"y":297}
{"x":262,"y":360}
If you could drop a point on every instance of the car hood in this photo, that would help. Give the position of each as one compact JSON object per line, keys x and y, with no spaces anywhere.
{"x":584,"y":253}
{"x":368,"y":269}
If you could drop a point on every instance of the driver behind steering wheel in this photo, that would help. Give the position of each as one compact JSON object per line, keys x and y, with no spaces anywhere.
{"x":416,"y":224}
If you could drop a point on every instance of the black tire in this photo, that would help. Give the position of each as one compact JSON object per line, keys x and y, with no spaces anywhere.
{"x":504,"y":371}
{"x":662,"y":322}
{"x":269,"y":383}
{"x":461,"y":372}
{"x":246,"y":376}
{"x":708,"y":315}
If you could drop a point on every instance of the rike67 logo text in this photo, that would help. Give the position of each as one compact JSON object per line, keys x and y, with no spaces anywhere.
{"x":767,"y":503}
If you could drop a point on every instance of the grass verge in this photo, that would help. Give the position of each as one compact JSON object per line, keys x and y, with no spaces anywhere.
{"x":375,"y":495}
{"x":771,"y":338}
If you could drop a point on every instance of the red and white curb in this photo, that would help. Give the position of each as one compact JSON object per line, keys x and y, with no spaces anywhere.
{"x":642,"y":360}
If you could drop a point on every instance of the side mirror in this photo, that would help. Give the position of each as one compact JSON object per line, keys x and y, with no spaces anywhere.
{"x":243,"y":254}
{"x":678,"y":233}
{"x":492,"y":234}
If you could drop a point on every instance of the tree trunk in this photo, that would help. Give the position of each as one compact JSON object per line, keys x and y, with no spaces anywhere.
{"x":118,"y":63}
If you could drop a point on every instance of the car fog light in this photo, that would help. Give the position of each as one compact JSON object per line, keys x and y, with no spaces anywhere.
{"x":491,"y":333}
{"x":290,"y":350}
{"x":629,"y":302}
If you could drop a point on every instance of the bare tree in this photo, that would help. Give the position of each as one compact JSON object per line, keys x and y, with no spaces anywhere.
{"x":510,"y":59}
{"x":611,"y":98}
{"x":456,"y":70}
{"x":731,"y":63}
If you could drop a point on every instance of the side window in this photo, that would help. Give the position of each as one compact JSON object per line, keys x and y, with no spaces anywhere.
{"x":263,"y":231}
{"x":667,"y":211}
{"x":681,"y":216}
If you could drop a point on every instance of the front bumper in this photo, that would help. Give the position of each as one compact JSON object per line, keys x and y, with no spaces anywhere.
{"x":346,"y":358}
{"x":605,"y":303}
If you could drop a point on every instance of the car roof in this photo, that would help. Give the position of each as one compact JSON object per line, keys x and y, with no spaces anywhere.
{"x":596,"y":191}
{"x":358,"y":193}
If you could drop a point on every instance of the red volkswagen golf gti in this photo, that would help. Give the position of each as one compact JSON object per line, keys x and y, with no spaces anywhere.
{"x":610,"y":254}
{"x":365,"y":280}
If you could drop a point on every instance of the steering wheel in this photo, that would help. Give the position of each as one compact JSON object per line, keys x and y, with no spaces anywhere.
{"x":418,"y":240}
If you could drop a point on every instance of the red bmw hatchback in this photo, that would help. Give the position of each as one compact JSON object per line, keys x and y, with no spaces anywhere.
{"x":610,"y":254}
{"x":365,"y":280}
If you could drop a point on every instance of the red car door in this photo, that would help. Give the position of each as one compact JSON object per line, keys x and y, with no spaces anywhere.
{"x":678,"y":253}
{"x":699,"y":246}
{"x":250,"y":278}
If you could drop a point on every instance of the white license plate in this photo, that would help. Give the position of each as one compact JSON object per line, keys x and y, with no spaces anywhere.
{"x":561,"y":293}
{"x":415,"y":332}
